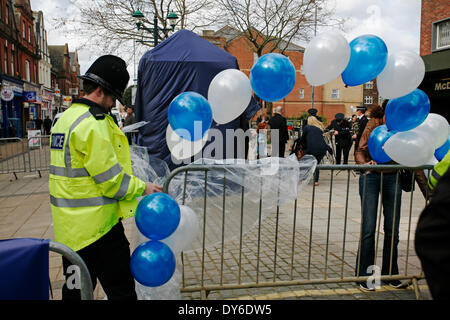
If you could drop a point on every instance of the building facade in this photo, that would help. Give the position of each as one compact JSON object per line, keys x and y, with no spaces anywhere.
{"x":11,"y":83}
{"x":328,"y":99}
{"x":435,"y":52}
{"x":44,"y":67}
{"x":60,"y":59}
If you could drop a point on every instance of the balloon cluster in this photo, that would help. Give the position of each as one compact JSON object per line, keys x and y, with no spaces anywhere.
{"x":412,"y":136}
{"x":229,"y":93}
{"x":170,"y":228}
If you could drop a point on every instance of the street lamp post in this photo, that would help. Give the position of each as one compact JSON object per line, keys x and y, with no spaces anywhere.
{"x":315,"y":31}
{"x":139,"y":16}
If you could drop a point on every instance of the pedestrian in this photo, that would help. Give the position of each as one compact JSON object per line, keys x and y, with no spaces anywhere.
{"x":38,"y":123}
{"x":129,"y":120}
{"x":362,"y":122}
{"x":342,"y":137}
{"x":278,"y":122}
{"x":262,"y":138}
{"x":314,"y":143}
{"x":47,"y":125}
{"x":92,"y":187}
{"x":371,"y":184}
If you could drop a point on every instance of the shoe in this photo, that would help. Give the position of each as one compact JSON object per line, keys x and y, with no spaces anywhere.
{"x":397,"y":284}
{"x":363,"y":286}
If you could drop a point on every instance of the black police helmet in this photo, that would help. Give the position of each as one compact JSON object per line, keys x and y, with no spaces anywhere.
{"x":312,"y":111}
{"x":339,"y":116}
{"x":111,"y":73}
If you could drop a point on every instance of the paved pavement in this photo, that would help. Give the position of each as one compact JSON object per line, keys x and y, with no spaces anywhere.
{"x":273,"y":249}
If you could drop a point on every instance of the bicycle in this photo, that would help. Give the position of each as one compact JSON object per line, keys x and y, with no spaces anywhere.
{"x":329,"y":158}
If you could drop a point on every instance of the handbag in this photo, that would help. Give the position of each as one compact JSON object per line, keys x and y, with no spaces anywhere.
{"x":406,"y":180}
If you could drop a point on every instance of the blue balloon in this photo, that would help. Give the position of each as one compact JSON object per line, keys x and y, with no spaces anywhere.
{"x":157,"y":216}
{"x":377,"y":139}
{"x":441,"y":152}
{"x":188,"y":110}
{"x":368,"y":57}
{"x":272,"y":77}
{"x":152,"y":263}
{"x":407,"y":112}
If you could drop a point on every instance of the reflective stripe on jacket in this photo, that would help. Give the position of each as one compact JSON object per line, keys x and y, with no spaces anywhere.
{"x":91,"y":182}
{"x":438,"y":171}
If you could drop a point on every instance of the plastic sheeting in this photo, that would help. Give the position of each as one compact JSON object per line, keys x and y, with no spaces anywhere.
{"x":229,"y":198}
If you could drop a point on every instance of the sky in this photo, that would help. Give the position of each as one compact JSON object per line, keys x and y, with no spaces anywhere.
{"x":397,"y":22}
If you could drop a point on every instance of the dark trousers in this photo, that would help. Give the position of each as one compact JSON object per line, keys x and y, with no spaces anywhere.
{"x":369,"y":199}
{"x":107,"y":259}
{"x":342,"y":149}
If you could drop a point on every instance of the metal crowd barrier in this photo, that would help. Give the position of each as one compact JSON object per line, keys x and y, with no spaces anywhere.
{"x":314,"y":240}
{"x":24,"y":155}
{"x":86,"y":290}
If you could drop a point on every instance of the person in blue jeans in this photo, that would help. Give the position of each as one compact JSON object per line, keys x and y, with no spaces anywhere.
{"x":369,"y":189}
{"x":371,"y":184}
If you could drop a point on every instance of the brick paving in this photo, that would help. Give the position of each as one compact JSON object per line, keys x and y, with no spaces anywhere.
{"x":25,"y":212}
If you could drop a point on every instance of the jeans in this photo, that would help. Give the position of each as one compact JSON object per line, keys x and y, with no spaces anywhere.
{"x":369,"y":205}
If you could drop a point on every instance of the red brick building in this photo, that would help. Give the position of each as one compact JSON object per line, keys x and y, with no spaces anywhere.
{"x":435,"y":51}
{"x":18,"y":65}
{"x":300,"y":98}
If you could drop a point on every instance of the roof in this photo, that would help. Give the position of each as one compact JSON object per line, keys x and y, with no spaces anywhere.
{"x":231,"y":33}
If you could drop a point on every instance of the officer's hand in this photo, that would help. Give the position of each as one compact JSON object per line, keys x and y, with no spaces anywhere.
{"x":152,"y":188}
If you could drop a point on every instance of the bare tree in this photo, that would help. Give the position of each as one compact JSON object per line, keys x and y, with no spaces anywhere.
{"x":106,"y":24}
{"x":274,"y":24}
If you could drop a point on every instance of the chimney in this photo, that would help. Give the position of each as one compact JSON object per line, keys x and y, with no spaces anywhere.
{"x":208,"y":33}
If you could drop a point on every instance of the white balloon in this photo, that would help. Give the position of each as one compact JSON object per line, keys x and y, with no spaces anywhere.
{"x":186,"y":231}
{"x":325,"y":58}
{"x":229,"y":94}
{"x":403,"y":73}
{"x":181,"y":148}
{"x":435,"y":128}
{"x":409,"y":149}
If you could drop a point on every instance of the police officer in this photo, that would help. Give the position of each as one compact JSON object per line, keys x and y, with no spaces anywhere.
{"x":438,"y":171}
{"x":92,"y":187}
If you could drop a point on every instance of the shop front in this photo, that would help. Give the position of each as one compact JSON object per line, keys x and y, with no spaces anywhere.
{"x":11,"y":116}
{"x":436,"y":83}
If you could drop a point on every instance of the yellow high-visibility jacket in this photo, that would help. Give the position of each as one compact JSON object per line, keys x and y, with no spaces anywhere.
{"x":438,"y":171}
{"x":91,"y":182}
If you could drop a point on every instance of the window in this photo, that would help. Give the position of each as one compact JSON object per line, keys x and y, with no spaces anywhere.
{"x":23,"y":31}
{"x":368,"y":100}
{"x":29,"y":34}
{"x":7,"y":14}
{"x":369,"y":85}
{"x":302,"y":93}
{"x":12,"y":62}
{"x":27,"y":70}
{"x":443,"y":34}
{"x":335,"y":94}
{"x":6,"y":59}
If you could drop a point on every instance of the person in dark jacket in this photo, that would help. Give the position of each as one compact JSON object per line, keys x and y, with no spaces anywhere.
{"x":314,"y":143}
{"x":432,"y":240}
{"x":278,"y":122}
{"x":342,"y":136}
{"x":362,"y":122}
